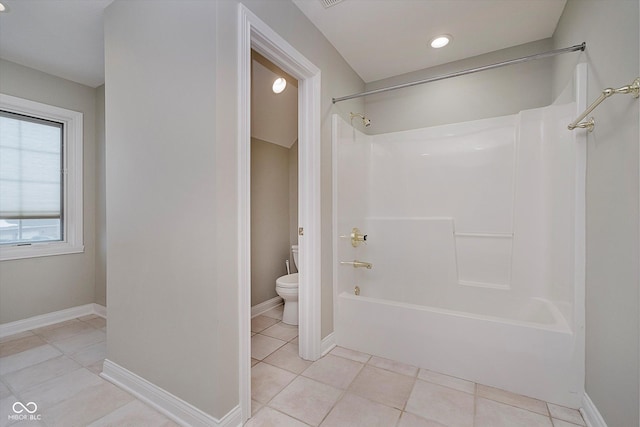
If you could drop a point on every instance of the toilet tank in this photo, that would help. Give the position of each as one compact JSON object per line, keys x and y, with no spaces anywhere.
{"x":294,"y":250}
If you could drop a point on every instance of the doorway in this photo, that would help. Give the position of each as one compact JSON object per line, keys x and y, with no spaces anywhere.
{"x":255,"y":34}
{"x":274,"y":209}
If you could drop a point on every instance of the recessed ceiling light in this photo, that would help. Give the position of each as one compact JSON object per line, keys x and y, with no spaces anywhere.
{"x":3,"y":8}
{"x":441,"y":41}
{"x":278,"y":85}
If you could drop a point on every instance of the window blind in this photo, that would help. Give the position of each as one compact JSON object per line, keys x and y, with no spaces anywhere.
{"x":30,"y":167}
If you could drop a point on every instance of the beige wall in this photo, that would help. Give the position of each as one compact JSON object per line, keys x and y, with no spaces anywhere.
{"x":611,"y":31}
{"x":493,"y":93}
{"x":171,"y":105}
{"x":36,"y":286}
{"x":270,"y":221}
{"x":163,"y":239}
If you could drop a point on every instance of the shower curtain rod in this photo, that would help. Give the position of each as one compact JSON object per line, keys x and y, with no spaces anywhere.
{"x":550,"y":53}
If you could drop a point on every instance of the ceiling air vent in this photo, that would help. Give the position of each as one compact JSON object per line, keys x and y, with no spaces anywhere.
{"x":328,"y":3}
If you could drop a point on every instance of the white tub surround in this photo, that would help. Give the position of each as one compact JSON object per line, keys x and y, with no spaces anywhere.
{"x":476,"y":235}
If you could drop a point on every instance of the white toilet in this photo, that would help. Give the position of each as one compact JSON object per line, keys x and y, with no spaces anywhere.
{"x":287,"y":288}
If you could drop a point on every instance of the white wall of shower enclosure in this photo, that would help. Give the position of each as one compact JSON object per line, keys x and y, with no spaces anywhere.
{"x":476,"y":235}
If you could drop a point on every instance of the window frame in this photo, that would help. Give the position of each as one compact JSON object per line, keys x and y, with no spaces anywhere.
{"x":72,"y":192}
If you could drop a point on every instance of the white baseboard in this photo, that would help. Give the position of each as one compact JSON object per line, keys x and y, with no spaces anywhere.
{"x":100,"y":310}
{"x":591,"y":414}
{"x":328,"y":343}
{"x":34,"y":322}
{"x":173,"y":407}
{"x":258,"y":309}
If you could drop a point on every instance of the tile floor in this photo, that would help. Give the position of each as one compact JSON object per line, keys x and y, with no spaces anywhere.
{"x":57,"y":367}
{"x":349,"y":389}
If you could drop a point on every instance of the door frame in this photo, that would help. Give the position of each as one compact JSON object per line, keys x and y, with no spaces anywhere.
{"x":253,"y":33}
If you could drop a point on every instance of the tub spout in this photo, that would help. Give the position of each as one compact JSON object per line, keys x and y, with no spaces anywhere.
{"x":357,"y":264}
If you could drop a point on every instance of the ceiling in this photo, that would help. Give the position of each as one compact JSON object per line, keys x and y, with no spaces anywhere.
{"x":62,"y":37}
{"x":385,"y":38}
{"x":378,"y":38}
{"x":274,"y":117}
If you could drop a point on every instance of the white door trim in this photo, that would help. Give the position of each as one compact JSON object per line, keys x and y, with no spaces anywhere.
{"x":254,"y":33}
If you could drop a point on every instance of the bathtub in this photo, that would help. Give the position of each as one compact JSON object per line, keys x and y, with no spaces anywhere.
{"x":531,"y":352}
{"x":475,"y":232}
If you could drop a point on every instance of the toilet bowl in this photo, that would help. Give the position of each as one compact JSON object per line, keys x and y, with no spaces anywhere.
{"x":287,"y":289}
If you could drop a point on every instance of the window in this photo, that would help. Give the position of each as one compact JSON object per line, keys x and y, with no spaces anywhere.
{"x":40,"y":179}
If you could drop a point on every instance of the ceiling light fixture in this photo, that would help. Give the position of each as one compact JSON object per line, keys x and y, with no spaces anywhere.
{"x":440,"y":41}
{"x":278,"y":85}
{"x":3,"y":8}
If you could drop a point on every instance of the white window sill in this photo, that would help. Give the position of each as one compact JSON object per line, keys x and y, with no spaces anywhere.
{"x":38,"y":250}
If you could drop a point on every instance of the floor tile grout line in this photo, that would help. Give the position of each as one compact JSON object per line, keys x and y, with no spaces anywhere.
{"x":515,"y":406}
{"x":343,"y":392}
{"x":284,"y":413}
{"x":560,"y":419}
{"x":342,"y":395}
{"x":78,"y":350}
{"x":413,"y":386}
{"x":349,"y":390}
{"x":475,"y":407}
{"x":52,"y":342}
{"x":33,"y":386}
{"x":475,"y":404}
{"x":363,"y":365}
{"x":79,"y":392}
{"x":452,"y":388}
{"x":63,"y":354}
{"x":18,"y":394}
{"x":389,"y":370}
{"x":274,"y":396}
{"x":14,"y":391}
{"x":415,"y":378}
{"x":474,"y":394}
{"x":347,"y":358}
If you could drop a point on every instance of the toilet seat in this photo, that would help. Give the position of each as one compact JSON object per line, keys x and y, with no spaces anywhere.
{"x":288,"y":281}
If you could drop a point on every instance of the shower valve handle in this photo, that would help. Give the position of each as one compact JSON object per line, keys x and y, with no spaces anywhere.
{"x":356,"y":237}
{"x":357,"y":264}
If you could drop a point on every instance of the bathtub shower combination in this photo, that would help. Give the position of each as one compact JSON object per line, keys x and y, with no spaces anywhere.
{"x":475,"y":239}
